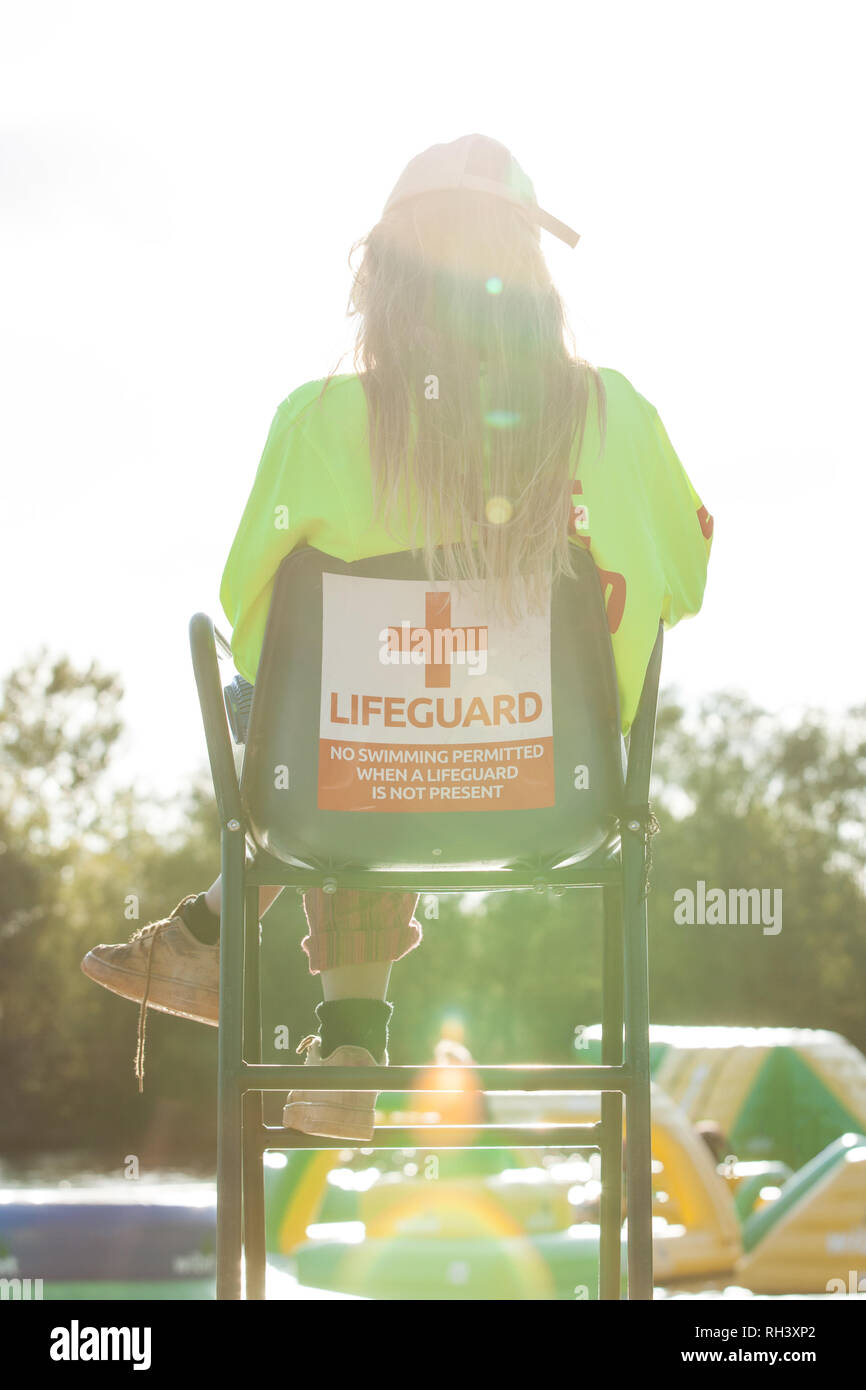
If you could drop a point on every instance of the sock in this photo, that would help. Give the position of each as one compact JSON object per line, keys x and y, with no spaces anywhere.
{"x":356,"y":1023}
{"x":204,"y":924}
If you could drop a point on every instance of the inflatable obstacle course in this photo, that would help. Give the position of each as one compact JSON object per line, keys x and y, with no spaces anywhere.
{"x":521,"y":1233}
{"x":467,"y":1207}
{"x":755,"y":1184}
{"x":776,"y":1093}
{"x":513,"y":1224}
{"x":155,"y":1240}
{"x":530,"y":1232}
{"x":561,"y":1265}
{"x":815,"y":1232}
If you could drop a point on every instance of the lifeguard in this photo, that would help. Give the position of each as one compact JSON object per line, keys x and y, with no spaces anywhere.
{"x":521,"y":444}
{"x":444,"y":712}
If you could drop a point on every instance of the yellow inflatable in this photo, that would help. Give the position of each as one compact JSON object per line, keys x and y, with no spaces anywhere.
{"x":500,"y":1205}
{"x":755,"y":1223}
{"x":813,"y":1240}
{"x":695,"y":1226}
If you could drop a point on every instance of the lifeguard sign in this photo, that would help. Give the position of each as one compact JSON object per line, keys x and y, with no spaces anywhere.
{"x":429,"y":703}
{"x":381,"y":691}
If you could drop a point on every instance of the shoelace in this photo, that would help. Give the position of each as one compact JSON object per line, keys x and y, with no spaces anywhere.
{"x":149,"y":934}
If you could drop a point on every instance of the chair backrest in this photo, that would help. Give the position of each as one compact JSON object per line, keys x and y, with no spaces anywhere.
{"x":397,"y":724}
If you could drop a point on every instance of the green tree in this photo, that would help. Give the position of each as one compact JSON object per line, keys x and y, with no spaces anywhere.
{"x":743,"y":801}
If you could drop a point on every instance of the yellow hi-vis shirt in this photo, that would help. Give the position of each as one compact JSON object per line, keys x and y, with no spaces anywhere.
{"x":633,"y":507}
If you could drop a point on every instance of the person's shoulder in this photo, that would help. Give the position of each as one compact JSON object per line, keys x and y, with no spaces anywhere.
{"x":317,"y":400}
{"x":619,"y":389}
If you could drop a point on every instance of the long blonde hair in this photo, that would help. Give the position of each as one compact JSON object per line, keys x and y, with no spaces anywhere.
{"x":474,"y":401}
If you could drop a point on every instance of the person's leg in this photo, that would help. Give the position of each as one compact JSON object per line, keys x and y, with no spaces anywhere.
{"x":202,"y":913}
{"x":214,"y":897}
{"x":353,"y":939}
{"x":356,"y":981}
{"x":357,"y":930}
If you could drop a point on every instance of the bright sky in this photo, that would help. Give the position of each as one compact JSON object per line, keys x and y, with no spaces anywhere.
{"x":181,"y":184}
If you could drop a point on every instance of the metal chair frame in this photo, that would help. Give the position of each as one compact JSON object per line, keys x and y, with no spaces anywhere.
{"x":622,"y":1076}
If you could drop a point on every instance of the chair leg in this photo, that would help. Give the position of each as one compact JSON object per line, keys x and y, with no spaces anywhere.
{"x":253,"y":1108}
{"x":254,"y":1197}
{"x":610,"y":1240}
{"x":638,"y":1119}
{"x":230,"y":1114}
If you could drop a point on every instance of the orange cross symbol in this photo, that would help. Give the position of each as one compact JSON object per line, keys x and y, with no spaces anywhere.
{"x":442,"y":640}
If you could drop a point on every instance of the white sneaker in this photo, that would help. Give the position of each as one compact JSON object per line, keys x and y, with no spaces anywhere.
{"x":346,"y":1115}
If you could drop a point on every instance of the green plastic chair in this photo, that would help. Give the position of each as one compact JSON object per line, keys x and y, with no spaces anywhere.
{"x":278,"y":826}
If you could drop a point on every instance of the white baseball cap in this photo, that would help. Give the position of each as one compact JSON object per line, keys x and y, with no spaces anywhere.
{"x":479,"y":163}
